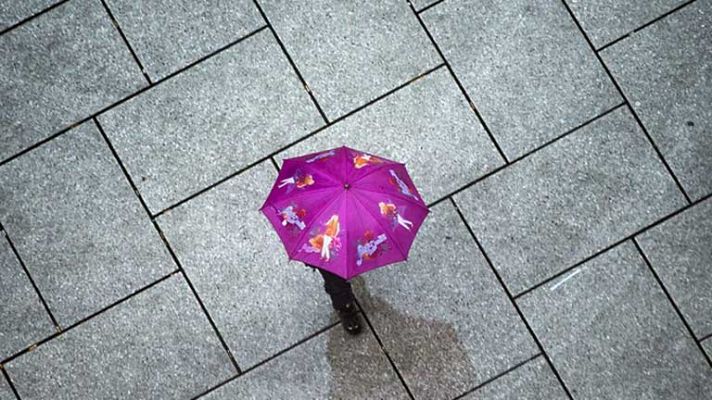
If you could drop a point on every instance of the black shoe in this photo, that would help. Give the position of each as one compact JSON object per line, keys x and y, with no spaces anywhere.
{"x":350,"y":319}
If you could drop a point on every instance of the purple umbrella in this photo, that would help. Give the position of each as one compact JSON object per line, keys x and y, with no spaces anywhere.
{"x":345,"y":211}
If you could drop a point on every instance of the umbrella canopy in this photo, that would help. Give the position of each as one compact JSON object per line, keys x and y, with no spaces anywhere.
{"x":345,"y":211}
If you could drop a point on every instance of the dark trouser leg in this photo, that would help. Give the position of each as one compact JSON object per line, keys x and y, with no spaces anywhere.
{"x":338,"y":288}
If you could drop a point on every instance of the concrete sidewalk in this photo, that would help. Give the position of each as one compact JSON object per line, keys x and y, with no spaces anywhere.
{"x":564,"y":147}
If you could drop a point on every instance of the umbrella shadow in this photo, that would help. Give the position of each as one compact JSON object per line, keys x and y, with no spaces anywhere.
{"x":429,"y":354}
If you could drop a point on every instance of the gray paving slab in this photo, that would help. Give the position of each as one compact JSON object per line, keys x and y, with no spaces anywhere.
{"x":679,"y":251}
{"x":665,"y":72}
{"x":420,"y":4}
{"x":211,"y":121}
{"x":14,"y":11}
{"x":351,"y":52}
{"x":428,"y":125}
{"x":5,"y":390}
{"x":168,"y":35}
{"x":570,"y":200}
{"x":607,"y":20}
{"x":442,"y":316}
{"x":156,"y":345}
{"x":533,"y":380}
{"x":24,"y":319}
{"x":707,"y":346}
{"x":527,"y":68}
{"x":260,"y":302}
{"x":332,"y":365}
{"x":78,"y":226}
{"x":612,"y":334}
{"x":65,"y":65}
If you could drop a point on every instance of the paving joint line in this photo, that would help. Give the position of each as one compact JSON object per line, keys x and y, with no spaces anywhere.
{"x":57,"y":327}
{"x":672,"y":301}
{"x":115,"y":22}
{"x":511,"y":299}
{"x":625,"y":98}
{"x":429,"y":6}
{"x":294,"y":143}
{"x":647,"y":24}
{"x":274,"y":163}
{"x":87,"y":318}
{"x":383,"y":349}
{"x":499,"y":375}
{"x":128,"y":97}
{"x":291,"y":62}
{"x":31,"y":17}
{"x":270,"y":358}
{"x":459,"y":84}
{"x":614,"y":244}
{"x":9,"y":382}
{"x":524,"y":156}
{"x":703,"y":338}
{"x":168,"y":247}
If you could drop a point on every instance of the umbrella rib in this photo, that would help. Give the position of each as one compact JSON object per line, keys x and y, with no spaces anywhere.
{"x":378,"y":221}
{"x":373,"y":171}
{"x":409,"y":200}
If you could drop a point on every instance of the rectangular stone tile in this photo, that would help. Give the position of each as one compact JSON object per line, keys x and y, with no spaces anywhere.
{"x":428,"y":125}
{"x":65,"y":65}
{"x":12,"y":12}
{"x":260,"y":302}
{"x":533,"y":380}
{"x":679,"y":251}
{"x":24,"y":319}
{"x":526,"y":67}
{"x":442,"y":316}
{"x":351,"y":52}
{"x":5,"y":390}
{"x":570,"y":200}
{"x":156,"y":345}
{"x":707,"y":345}
{"x":168,"y":35}
{"x":612,"y":334}
{"x":332,"y":365}
{"x":210,"y":121}
{"x":78,"y":226}
{"x":664,"y":70}
{"x":607,"y":20}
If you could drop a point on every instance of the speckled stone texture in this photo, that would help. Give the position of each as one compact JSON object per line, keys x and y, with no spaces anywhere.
{"x":78,"y":226}
{"x":168,"y":34}
{"x":428,"y":125}
{"x":332,"y":365}
{"x":24,"y":319}
{"x":260,"y":302}
{"x":65,"y":65}
{"x":209,"y":122}
{"x":420,"y":4}
{"x":612,"y":334}
{"x":533,"y":380}
{"x":707,"y":345}
{"x":156,"y":345}
{"x":5,"y":390}
{"x":665,"y":70}
{"x":442,"y":316}
{"x":526,"y":67}
{"x":351,"y":52}
{"x":680,"y":251}
{"x":607,"y":20}
{"x":12,"y":12}
{"x":570,"y":200}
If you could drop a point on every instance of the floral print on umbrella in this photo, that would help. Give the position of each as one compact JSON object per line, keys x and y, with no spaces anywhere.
{"x":324,"y":240}
{"x":299,"y":179}
{"x":364,"y":160}
{"x":402,"y":186}
{"x":370,"y":247}
{"x":390,"y":211}
{"x":293,"y":217}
